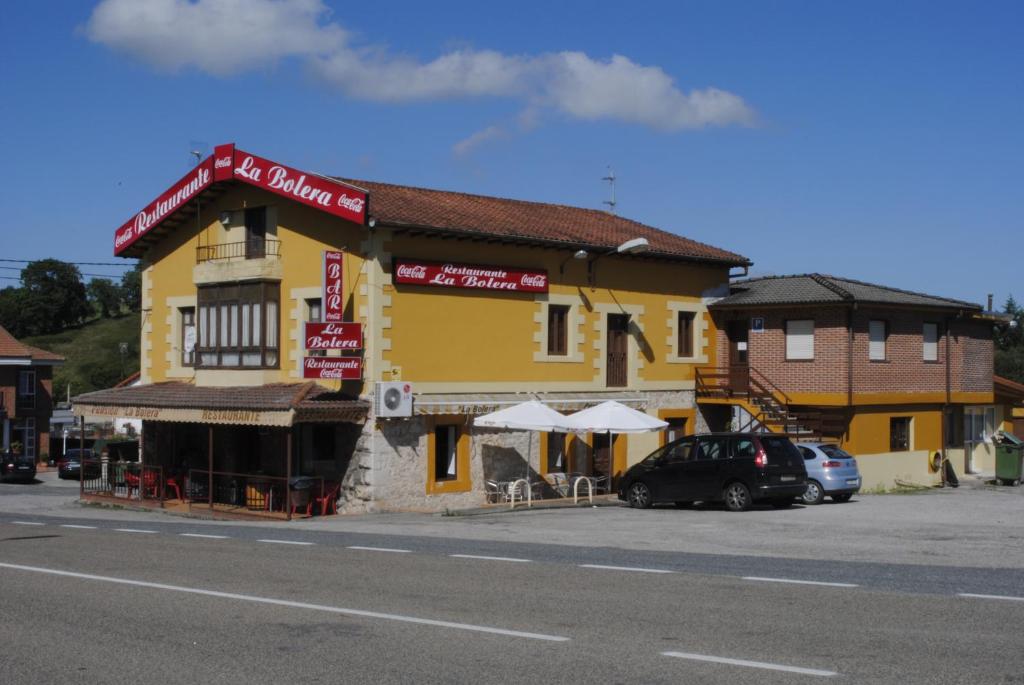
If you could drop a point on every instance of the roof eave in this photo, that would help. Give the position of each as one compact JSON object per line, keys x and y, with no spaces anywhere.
{"x":739,"y":260}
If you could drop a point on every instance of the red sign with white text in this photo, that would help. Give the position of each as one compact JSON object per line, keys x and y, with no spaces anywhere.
{"x":335,"y":368}
{"x":193,"y":183}
{"x":332,"y":305}
{"x":321,"y":192}
{"x":230,"y":164}
{"x":448,"y":275}
{"x":334,"y":336}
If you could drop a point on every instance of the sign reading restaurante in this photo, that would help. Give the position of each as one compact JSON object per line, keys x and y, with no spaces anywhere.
{"x":448,"y":275}
{"x":230,"y":164}
{"x":334,"y":368}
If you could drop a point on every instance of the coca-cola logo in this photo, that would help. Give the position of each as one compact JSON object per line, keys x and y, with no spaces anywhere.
{"x":534,"y":280}
{"x":409,"y":271}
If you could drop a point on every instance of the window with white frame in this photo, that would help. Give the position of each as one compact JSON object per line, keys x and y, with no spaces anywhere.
{"x":800,"y":339}
{"x":27,"y":382}
{"x":313,"y":315}
{"x":25,"y":429}
{"x":979,"y":424}
{"x":930,"y":342}
{"x":188,"y":336}
{"x":238,"y":325}
{"x":877,"y":334}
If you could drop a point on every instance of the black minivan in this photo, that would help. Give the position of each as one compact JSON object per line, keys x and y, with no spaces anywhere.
{"x":736,"y":468}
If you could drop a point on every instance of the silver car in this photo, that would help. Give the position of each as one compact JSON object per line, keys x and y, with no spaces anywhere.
{"x":830,"y":471}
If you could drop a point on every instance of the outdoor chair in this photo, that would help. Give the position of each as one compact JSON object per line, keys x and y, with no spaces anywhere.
{"x":172,"y":484}
{"x":495,"y":492}
{"x":329,"y":502}
{"x":558,"y":483}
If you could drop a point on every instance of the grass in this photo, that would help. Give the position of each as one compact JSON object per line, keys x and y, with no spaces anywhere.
{"x":92,"y":354}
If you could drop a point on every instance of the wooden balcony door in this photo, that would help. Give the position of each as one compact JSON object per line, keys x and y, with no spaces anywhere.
{"x":739,"y":364}
{"x":255,"y":232}
{"x":617,"y":362}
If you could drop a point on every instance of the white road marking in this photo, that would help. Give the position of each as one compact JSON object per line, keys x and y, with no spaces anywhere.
{"x":381,"y":549}
{"x":798,"y":582}
{"x":479,"y":556}
{"x":201,"y":535}
{"x":751,"y":664}
{"x":133,"y":530}
{"x":75,"y":525}
{"x":626,"y":568}
{"x":1008,"y":598}
{"x":295,"y":605}
{"x":286,"y":542}
{"x":27,"y":523}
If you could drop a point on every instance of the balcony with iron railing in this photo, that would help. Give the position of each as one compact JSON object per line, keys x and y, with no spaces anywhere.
{"x":261,"y":248}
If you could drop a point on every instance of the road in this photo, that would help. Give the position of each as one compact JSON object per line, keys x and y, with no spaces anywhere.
{"x":99,"y":596}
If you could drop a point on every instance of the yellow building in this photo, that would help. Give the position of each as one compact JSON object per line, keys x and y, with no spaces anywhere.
{"x":465,"y":304}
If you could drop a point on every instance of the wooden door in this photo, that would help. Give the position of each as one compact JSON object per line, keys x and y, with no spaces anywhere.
{"x":255,"y":233}
{"x":739,"y":366}
{"x":618,"y":350}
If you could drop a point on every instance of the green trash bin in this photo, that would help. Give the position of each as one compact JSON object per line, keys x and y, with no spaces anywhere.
{"x":1009,"y":458}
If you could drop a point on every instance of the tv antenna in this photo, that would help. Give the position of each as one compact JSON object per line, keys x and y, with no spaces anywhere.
{"x":611,"y":181}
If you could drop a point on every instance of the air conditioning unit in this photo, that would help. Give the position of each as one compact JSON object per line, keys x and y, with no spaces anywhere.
{"x":393,"y":399}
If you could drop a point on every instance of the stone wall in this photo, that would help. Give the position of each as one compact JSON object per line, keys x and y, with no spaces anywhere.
{"x":389,"y":467}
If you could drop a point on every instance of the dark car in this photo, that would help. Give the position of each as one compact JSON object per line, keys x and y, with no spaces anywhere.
{"x":71,"y":465}
{"x":736,"y":468}
{"x":17,"y":467}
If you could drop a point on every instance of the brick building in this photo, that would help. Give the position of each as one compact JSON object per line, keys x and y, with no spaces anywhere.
{"x":892,"y":375}
{"x":26,"y":396}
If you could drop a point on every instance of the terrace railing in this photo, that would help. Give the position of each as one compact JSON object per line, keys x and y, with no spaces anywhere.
{"x":246,"y":249}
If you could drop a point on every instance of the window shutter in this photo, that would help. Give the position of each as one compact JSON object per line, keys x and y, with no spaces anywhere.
{"x":800,"y":339}
{"x":930,"y":337}
{"x":876,"y":340}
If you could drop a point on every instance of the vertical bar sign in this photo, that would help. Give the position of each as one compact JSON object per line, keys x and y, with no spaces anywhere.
{"x":331,"y":305}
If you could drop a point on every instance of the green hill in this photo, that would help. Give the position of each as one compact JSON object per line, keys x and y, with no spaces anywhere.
{"x":93,"y":354}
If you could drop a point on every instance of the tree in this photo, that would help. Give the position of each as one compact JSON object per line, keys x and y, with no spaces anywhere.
{"x":1009,"y":358}
{"x":11,"y":316}
{"x":131,"y":288}
{"x":105,"y":296}
{"x":54,"y":296}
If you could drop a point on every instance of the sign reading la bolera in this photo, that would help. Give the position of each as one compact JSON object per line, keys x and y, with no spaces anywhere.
{"x":447,"y":275}
{"x":230,"y":164}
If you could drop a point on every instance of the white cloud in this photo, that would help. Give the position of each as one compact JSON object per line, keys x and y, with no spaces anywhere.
{"x":466,"y":145}
{"x":219,"y":37}
{"x":222,"y":37}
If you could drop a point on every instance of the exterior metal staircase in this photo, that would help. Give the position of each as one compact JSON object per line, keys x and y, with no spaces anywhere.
{"x":767,"y":407}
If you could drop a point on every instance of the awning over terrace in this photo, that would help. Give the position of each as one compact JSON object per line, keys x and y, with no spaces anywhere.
{"x":277,"y":404}
{"x":484,"y":403}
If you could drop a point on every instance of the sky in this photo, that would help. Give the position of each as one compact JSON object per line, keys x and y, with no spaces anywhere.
{"x":880,"y":141}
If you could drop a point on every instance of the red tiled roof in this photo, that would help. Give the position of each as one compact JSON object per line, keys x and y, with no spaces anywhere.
{"x":11,"y":347}
{"x":573,"y":227}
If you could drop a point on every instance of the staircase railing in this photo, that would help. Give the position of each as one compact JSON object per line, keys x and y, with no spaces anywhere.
{"x":773,"y":406}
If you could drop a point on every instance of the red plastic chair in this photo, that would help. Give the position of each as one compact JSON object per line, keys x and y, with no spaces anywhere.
{"x":329,"y":502}
{"x":172,"y":484}
{"x":132,"y":482}
{"x":151,"y":483}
